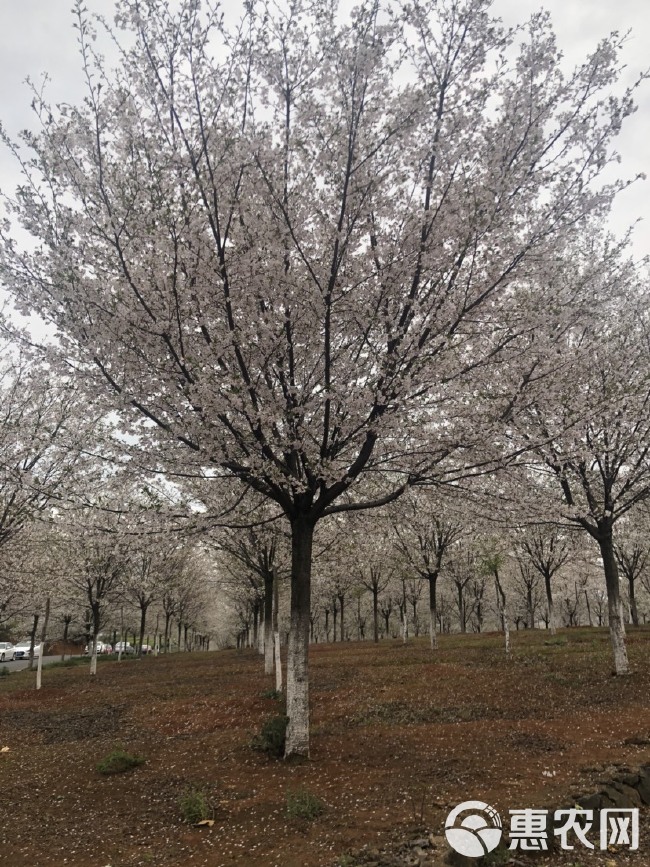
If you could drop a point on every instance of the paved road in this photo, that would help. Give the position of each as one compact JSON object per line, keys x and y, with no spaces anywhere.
{"x":23,"y":663}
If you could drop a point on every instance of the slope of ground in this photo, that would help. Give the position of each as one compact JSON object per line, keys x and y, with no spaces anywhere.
{"x":400,"y":735}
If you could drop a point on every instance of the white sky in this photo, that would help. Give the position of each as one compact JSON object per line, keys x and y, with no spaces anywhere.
{"x":37,"y":36}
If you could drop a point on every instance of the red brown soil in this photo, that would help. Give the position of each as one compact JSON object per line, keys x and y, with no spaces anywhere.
{"x":399,"y":736}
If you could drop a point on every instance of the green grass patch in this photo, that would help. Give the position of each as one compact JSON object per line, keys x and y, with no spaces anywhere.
{"x":272,"y":737}
{"x":118,"y":762}
{"x":303,"y":804}
{"x":194,"y":806}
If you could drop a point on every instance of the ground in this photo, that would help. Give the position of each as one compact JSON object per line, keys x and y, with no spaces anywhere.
{"x":399,"y":735}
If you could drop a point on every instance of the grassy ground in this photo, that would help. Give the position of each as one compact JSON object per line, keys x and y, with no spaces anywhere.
{"x":399,"y":737}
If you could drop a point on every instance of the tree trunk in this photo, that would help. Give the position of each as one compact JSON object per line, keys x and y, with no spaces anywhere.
{"x":32,"y":637}
{"x":143,"y":623}
{"x":168,"y":629}
{"x":268,"y":623}
{"x":549,"y":603}
{"x":529,"y":607}
{"x":433,"y":612}
{"x":375,"y":614}
{"x":342,"y":606}
{"x":634,"y":612}
{"x":66,"y":626}
{"x":93,"y":656}
{"x":503,"y":611}
{"x":297,"y":742}
{"x":39,"y":667}
{"x":277,"y":659}
{"x":461,"y":608}
{"x":256,"y":619}
{"x":335,"y":613}
{"x":589,"y":620}
{"x":615,"y":607}
{"x":122,"y":636}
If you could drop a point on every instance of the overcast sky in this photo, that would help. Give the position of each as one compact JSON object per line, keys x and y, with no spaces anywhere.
{"x":37,"y":36}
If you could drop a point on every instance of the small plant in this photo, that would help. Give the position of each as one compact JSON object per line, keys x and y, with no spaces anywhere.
{"x":194,"y":806}
{"x":303,"y":804}
{"x":275,"y":694}
{"x":119,"y":761}
{"x":4,"y":671}
{"x":272,"y":737}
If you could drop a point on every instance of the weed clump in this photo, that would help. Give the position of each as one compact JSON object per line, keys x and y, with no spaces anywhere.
{"x":303,"y":804}
{"x":272,"y":737}
{"x":4,"y":671}
{"x":194,"y":806}
{"x":118,"y":761}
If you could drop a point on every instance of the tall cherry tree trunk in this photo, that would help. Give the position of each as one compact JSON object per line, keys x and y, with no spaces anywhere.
{"x":66,"y":625}
{"x":168,"y":630}
{"x":32,"y":637}
{"x":615,"y":606}
{"x":143,"y":623}
{"x":122,"y":636}
{"x":302,"y":536}
{"x":634,"y":612}
{"x":93,"y":656}
{"x":268,"y":623}
{"x":588,"y":604}
{"x":39,"y":667}
{"x":342,"y":606}
{"x":277,"y":658}
{"x":256,"y":618}
{"x":503,"y":611}
{"x":549,"y":603}
{"x":433,"y":611}
{"x":375,"y":614}
{"x":530,"y":613}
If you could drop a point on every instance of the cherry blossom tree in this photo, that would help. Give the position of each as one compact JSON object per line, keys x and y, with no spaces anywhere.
{"x":99,"y":561}
{"x":546,"y":552}
{"x":632,"y":559}
{"x":596,"y":437}
{"x":424,"y":537}
{"x":257,"y":550}
{"x":293,"y":243}
{"x":43,"y":430}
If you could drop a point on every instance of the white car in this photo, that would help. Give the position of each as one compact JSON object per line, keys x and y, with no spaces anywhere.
{"x":21,"y":650}
{"x":124,"y":647}
{"x":102,"y":647}
{"x":6,"y":652}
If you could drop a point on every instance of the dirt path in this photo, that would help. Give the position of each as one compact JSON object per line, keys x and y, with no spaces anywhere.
{"x":399,"y":737}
